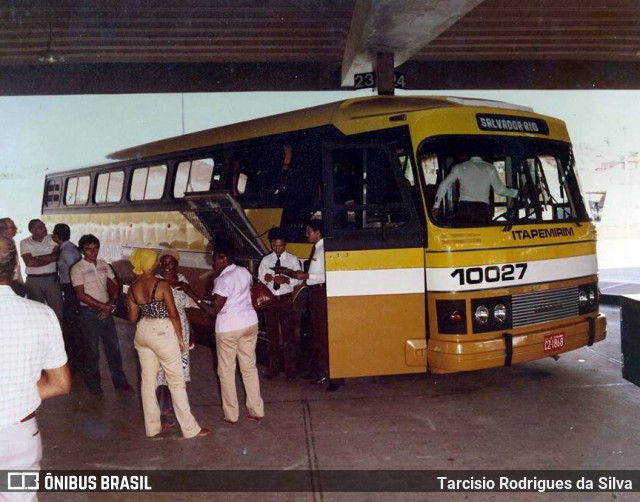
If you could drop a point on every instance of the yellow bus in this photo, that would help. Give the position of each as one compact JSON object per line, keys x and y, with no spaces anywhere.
{"x":407,"y":291}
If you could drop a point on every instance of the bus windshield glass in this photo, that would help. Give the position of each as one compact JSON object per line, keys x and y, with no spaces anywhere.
{"x":538,"y":176}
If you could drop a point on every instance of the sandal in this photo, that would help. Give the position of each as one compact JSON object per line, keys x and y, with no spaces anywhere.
{"x":254,"y":419}
{"x":230,"y":422}
{"x":203,"y":433}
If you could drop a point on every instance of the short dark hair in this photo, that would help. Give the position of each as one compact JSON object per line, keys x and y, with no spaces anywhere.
{"x":88,"y":239}
{"x":224,"y":252}
{"x":277,"y":233}
{"x":316,"y":225}
{"x":63,"y":231}
{"x":8,"y":259}
{"x":33,"y":222}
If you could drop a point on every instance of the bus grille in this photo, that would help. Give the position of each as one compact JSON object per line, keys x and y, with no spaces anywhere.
{"x":543,"y":306}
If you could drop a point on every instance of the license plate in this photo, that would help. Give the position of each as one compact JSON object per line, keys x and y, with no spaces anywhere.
{"x":553,"y":342}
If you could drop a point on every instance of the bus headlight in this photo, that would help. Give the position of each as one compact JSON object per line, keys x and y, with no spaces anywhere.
{"x":482,"y":315}
{"x":583,"y":298}
{"x":491,"y":314}
{"x":500,"y":313}
{"x":588,"y":298}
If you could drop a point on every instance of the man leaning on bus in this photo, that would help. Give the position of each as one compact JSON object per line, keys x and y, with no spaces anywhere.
{"x":476,"y":178}
{"x":316,"y":282}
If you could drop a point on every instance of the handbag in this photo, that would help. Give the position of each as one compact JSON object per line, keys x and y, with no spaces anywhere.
{"x":261,"y":296}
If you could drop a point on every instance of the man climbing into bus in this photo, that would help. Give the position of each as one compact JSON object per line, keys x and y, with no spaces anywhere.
{"x":476,"y":178}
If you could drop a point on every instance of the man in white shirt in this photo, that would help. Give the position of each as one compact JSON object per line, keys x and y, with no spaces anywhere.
{"x":32,"y":368}
{"x":316,"y":279}
{"x":97,"y":289}
{"x":40,"y":254}
{"x":279,"y":316}
{"x":476,"y":178}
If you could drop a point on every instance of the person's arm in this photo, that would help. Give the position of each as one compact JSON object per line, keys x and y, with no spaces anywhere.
{"x":165,"y":294}
{"x":133,"y":309}
{"x":215,"y":306}
{"x":295,"y":266}
{"x":184,"y":286}
{"x":54,"y":382}
{"x":498,"y":186}
{"x":444,"y":186}
{"x":90,"y":300}
{"x":113,"y":287}
{"x":265,"y":274}
{"x":39,"y":261}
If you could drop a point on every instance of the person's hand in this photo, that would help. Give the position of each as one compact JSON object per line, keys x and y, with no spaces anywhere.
{"x":301,"y":276}
{"x":102,"y":314}
{"x":183,"y":348}
{"x":434,"y":212}
{"x":192,"y":345}
{"x":268,"y":277}
{"x":281,"y":279}
{"x":183,"y":286}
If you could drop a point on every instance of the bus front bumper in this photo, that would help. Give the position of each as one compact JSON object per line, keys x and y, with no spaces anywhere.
{"x":466,"y":354}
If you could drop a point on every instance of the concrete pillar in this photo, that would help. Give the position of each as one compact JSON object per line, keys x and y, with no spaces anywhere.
{"x":383,"y":67}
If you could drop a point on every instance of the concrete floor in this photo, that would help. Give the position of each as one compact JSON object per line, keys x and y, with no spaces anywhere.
{"x":575,"y":413}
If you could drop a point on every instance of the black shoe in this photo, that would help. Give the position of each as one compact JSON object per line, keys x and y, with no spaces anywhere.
{"x":320,"y":381}
{"x":334,"y":385}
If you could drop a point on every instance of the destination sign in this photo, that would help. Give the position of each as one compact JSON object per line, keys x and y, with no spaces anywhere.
{"x":509,"y":123}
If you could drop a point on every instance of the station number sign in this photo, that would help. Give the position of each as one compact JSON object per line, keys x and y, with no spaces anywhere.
{"x":368,"y":80}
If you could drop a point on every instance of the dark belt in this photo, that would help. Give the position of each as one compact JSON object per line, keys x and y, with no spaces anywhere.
{"x":282,"y":297}
{"x":43,"y":275}
{"x":314,"y":286}
{"x":29,"y":417}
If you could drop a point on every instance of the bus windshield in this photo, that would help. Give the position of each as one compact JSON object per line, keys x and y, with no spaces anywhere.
{"x":541,"y":171}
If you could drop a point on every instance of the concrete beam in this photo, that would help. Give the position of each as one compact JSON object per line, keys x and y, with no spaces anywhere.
{"x":399,"y":27}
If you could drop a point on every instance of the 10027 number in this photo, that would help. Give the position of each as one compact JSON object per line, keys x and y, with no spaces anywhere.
{"x":490,"y":273}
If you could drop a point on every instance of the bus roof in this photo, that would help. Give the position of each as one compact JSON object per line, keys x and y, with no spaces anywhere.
{"x":317,"y":116}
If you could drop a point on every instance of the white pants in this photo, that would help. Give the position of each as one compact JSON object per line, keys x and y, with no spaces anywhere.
{"x":20,"y":450}
{"x":157,"y":346}
{"x":240,"y":343}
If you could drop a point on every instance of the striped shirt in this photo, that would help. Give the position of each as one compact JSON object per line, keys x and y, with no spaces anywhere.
{"x":93,"y":278}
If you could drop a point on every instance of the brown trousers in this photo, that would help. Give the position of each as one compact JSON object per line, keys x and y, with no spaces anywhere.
{"x":280,"y":321}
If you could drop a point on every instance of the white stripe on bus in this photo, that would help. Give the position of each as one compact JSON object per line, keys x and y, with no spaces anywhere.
{"x":454,"y":279}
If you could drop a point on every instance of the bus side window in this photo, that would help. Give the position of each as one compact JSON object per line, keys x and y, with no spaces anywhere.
{"x":193,"y":176}
{"x":53,"y":193}
{"x":77,"y":191}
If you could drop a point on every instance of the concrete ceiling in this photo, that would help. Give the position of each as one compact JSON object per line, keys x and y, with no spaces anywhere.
{"x":131,"y":46}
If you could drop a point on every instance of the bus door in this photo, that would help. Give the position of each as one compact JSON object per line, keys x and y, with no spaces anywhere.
{"x":374,"y":256}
